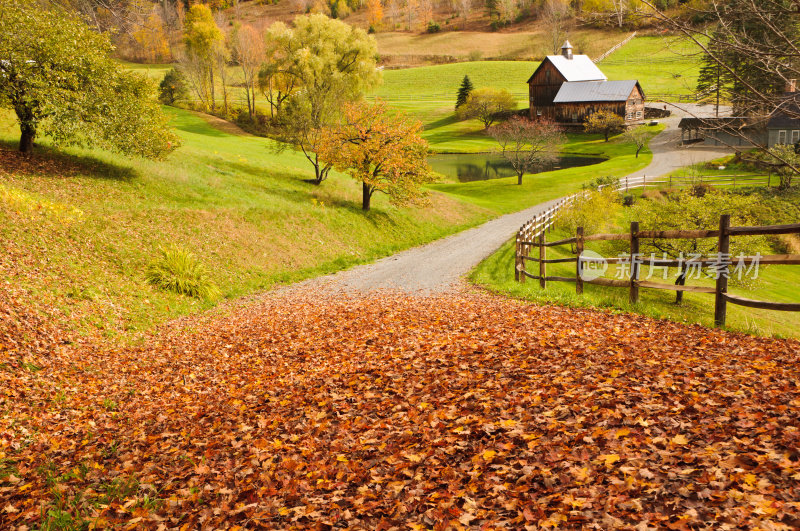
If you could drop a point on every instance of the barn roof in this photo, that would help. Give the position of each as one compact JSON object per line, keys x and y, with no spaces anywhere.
{"x":579,"y":68}
{"x":583,"y":91}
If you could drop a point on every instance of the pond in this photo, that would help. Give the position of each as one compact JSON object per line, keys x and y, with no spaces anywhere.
{"x":467,"y":167}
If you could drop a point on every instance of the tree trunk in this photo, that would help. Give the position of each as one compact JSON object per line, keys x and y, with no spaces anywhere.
{"x":680,"y":281}
{"x":519,"y":178}
{"x":606,"y":133}
{"x":638,"y":149}
{"x":366,"y":195}
{"x":213,"y":96}
{"x":28,"y":134}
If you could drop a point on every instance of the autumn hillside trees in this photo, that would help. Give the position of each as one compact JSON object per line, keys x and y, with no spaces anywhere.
{"x":201,"y":38}
{"x":330,"y":63}
{"x":57,"y":75}
{"x":381,"y":149}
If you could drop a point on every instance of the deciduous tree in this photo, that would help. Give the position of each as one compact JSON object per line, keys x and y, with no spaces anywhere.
{"x":202,"y":38}
{"x":527,"y":144}
{"x":330,"y":63}
{"x":638,"y":136}
{"x":687,"y":211}
{"x":555,"y":14}
{"x":383,"y":150}
{"x":487,"y":105}
{"x":248,"y":44}
{"x":786,"y":162}
{"x":606,"y":123}
{"x":374,"y":13}
{"x":57,"y":75}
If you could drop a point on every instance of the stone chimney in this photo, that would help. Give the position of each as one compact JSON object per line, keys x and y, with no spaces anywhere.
{"x":566,"y":50}
{"x":791,"y":86}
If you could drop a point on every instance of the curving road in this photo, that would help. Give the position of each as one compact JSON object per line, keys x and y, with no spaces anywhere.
{"x":440,"y":265}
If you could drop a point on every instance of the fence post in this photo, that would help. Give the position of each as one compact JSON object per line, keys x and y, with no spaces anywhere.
{"x":542,"y":257}
{"x":723,"y":248}
{"x":517,"y":259}
{"x":579,"y":248}
{"x":634,"y":293}
{"x":644,"y":183}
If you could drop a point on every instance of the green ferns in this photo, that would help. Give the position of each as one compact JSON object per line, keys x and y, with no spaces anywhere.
{"x":179,"y":271}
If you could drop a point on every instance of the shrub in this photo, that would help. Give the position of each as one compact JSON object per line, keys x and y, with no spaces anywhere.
{"x":179,"y":271}
{"x":601,"y":182}
{"x":475,"y":55}
{"x":594,"y":211}
{"x":433,"y":27}
{"x":700,"y":189}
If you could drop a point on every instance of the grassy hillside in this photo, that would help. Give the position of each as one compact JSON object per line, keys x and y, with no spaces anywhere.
{"x":408,"y":48}
{"x":665,"y":66}
{"x":78,"y":229}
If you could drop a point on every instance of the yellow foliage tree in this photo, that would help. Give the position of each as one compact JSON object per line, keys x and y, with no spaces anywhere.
{"x":151,"y":40}
{"x":374,"y":12}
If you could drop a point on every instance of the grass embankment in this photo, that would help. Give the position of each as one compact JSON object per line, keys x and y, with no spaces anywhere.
{"x":665,"y":66}
{"x":775,"y":283}
{"x":79,"y":228}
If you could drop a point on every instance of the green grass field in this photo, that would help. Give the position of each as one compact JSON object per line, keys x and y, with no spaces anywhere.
{"x":774,"y":283}
{"x":665,"y":66}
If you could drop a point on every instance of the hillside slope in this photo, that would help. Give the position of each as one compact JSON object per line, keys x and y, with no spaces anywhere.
{"x":78,"y":229}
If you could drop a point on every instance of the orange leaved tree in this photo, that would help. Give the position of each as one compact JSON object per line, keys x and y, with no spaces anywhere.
{"x":380,"y":148}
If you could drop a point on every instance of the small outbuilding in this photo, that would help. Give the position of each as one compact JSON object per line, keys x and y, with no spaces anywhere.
{"x":568,"y":88}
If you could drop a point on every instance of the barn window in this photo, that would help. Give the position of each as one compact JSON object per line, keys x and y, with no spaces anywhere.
{"x":574,"y":117}
{"x":629,"y":116}
{"x":547,"y":75}
{"x":795,"y":136}
{"x":638,"y":115}
{"x":781,"y":137}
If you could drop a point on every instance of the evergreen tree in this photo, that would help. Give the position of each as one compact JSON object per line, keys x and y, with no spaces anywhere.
{"x":464,"y":91}
{"x":750,"y":55}
{"x":173,"y":87}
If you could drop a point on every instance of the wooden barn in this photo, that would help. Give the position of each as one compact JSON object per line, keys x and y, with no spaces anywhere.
{"x":568,"y":88}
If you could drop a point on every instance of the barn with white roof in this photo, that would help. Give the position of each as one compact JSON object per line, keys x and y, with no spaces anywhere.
{"x":568,"y":88}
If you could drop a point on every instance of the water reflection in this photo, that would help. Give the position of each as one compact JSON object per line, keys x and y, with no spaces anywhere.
{"x":483,"y":166}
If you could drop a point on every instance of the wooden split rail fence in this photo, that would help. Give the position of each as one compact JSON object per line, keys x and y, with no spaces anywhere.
{"x":533,"y":237}
{"x":682,"y":182}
